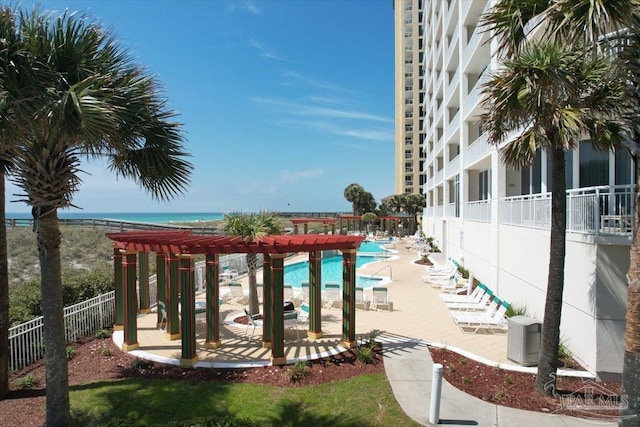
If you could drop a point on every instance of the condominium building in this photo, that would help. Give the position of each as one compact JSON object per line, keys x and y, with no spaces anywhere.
{"x":409,"y":95}
{"x":496,"y":220}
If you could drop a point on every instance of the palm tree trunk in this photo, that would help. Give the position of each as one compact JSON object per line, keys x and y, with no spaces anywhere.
{"x":4,"y":295}
{"x":57,"y":379}
{"x":548,"y":362}
{"x":252,"y":266}
{"x":631,"y":366}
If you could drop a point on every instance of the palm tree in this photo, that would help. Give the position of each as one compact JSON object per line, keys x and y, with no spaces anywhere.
{"x":369,"y":218}
{"x":251,"y":227}
{"x":91,"y":101}
{"x":555,"y":95}
{"x":354,"y":194}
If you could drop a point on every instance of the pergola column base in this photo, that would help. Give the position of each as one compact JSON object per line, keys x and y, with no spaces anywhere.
{"x":172,"y":337}
{"x":212,"y":344}
{"x":315,"y":335}
{"x":348,"y":344}
{"x":266,"y":344}
{"x":188,"y":363}
{"x":128,"y":347}
{"x":278,"y":361}
{"x":118,"y":327}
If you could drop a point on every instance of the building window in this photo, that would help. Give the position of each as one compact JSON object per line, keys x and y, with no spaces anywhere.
{"x":408,"y":180}
{"x":531,"y":177}
{"x":594,"y":166}
{"x":456,"y":194}
{"x":408,"y":140}
{"x":408,"y":154}
{"x":484,"y":185}
{"x":408,"y":167}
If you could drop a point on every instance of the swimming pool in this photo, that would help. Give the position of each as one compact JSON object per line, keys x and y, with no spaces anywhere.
{"x":372,"y":247}
{"x":295,"y":274}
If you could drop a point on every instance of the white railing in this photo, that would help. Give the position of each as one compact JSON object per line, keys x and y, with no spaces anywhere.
{"x":532,"y":210}
{"x":592,"y":210}
{"x":26,"y":344}
{"x":479,"y":210}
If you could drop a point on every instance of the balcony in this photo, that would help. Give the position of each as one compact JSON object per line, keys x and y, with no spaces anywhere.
{"x":478,"y":210}
{"x":603,"y":210}
{"x":478,"y":150}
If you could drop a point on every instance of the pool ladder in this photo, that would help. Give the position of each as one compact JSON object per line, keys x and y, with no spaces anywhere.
{"x":368,"y":278}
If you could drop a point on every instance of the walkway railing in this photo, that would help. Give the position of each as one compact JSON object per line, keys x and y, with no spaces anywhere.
{"x":603,"y":210}
{"x":26,"y":343}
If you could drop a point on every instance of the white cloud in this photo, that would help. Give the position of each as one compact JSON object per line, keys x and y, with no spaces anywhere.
{"x":264,"y":51}
{"x":292,"y":176}
{"x":312,"y":82}
{"x":307,"y":110}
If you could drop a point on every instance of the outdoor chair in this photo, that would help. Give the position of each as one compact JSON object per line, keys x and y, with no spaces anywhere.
{"x":305,"y":292}
{"x":332,"y":295}
{"x":381,"y":299}
{"x":289,"y":296}
{"x":252,"y":321}
{"x":474,"y":296}
{"x":361,"y":299}
{"x":481,"y":305}
{"x":493,"y":319}
{"x":236,"y":294}
{"x":163,"y":320}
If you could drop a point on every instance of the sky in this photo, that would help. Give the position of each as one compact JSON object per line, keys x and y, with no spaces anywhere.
{"x":284,"y":103}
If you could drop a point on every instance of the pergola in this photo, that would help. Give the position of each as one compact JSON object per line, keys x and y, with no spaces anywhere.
{"x":175,"y":252}
{"x":326,"y":222}
{"x":388,"y":222}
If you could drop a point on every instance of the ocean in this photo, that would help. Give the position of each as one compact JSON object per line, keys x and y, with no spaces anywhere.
{"x":149,"y":217}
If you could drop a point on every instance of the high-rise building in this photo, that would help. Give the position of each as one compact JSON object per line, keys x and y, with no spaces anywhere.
{"x":496,"y":220}
{"x":409,"y":93}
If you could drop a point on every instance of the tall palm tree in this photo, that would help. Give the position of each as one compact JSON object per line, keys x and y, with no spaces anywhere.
{"x":251,"y":227}
{"x":91,"y":101}
{"x":354,"y":194}
{"x":555,"y":95}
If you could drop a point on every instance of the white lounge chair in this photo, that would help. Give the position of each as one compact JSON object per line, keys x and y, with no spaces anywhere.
{"x":381,"y":299}
{"x":474,"y":296}
{"x":236,"y":294}
{"x":290,"y":296}
{"x":492,"y":319}
{"x":361,"y":299}
{"x":481,"y":305}
{"x":305,"y":292}
{"x":332,"y":295}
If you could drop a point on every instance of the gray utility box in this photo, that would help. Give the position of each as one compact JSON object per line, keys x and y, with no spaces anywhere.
{"x":523,"y":340}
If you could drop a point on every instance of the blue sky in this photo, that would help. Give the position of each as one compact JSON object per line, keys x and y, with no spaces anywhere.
{"x":284,"y":102}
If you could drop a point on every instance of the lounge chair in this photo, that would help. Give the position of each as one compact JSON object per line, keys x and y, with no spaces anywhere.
{"x":481,"y":305}
{"x":361,"y":299}
{"x":305,"y":292}
{"x":260,"y":288}
{"x":474,"y":296}
{"x":228,"y":274}
{"x":289,"y":295}
{"x":492,"y":319}
{"x":236,"y":294}
{"x":255,"y":320}
{"x":332,"y":295}
{"x":381,"y":299}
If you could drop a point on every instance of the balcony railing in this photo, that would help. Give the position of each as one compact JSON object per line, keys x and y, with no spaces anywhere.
{"x":478,"y":210}
{"x":603,"y":210}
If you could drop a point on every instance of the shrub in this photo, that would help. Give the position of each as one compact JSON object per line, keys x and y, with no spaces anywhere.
{"x":28,"y":382}
{"x":297,"y":371}
{"x":106,"y":352}
{"x":70,"y":352}
{"x":102,"y":334}
{"x":139,"y":364}
{"x":364,"y":354}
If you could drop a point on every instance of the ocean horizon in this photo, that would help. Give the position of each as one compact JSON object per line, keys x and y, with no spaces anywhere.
{"x":149,"y":217}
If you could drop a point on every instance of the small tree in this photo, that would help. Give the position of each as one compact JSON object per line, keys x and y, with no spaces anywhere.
{"x":369,"y":219}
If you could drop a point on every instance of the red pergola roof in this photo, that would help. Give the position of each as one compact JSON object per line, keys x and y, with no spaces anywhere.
{"x":304,"y":220}
{"x":183,"y":242}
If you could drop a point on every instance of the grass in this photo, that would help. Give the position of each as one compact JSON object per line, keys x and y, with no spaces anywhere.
{"x":142,"y":402}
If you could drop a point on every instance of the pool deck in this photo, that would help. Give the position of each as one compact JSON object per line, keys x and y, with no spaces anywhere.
{"x":418,"y":314}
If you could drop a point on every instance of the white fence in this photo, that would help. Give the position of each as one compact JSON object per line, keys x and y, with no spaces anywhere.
{"x":26,"y":343}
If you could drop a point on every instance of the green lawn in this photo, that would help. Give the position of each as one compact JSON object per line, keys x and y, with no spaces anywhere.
{"x":366,"y":400}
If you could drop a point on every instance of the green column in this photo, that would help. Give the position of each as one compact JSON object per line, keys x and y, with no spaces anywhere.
{"x":267,"y":283}
{"x":171,"y":293}
{"x":277,"y":310}
{"x":118,"y":289}
{"x":212,"y":289}
{"x":349,"y":298}
{"x":188,"y":309}
{"x":130,"y":303}
{"x":161,"y":281}
{"x":143,"y":282}
{"x":315,"y":295}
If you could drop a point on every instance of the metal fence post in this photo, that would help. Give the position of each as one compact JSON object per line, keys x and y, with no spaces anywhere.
{"x":436,"y":388}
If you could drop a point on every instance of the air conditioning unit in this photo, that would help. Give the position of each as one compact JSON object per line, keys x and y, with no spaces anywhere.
{"x":523,"y":340}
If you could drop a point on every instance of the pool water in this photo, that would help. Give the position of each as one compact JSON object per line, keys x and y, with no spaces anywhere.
{"x":295,"y":274}
{"x":372,"y":247}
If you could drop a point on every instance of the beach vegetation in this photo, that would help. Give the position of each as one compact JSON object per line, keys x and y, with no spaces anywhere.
{"x":75,"y":94}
